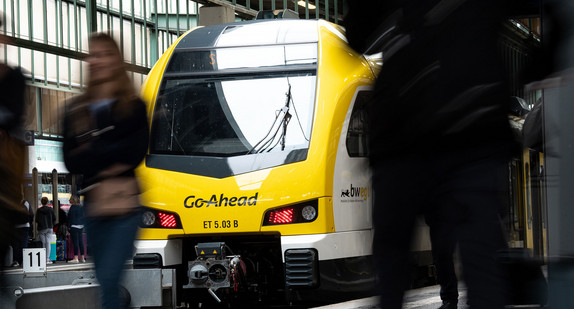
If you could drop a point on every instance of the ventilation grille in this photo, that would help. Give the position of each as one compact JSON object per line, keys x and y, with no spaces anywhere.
{"x":301,"y":269}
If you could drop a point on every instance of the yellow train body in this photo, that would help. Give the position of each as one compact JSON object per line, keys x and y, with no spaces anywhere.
{"x":227,"y":198}
{"x":340,"y":71}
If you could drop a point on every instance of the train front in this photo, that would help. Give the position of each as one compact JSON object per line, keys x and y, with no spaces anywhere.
{"x":238,"y":182}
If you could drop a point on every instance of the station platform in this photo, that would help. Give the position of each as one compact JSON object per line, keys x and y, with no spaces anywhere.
{"x":423,"y":298}
{"x":69,"y":284}
{"x":55,"y":266}
{"x":84,"y":278}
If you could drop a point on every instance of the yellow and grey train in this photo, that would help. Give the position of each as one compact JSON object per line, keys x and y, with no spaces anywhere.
{"x":257,"y":181}
{"x":256,"y":185}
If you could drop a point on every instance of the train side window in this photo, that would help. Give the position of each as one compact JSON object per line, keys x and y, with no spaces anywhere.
{"x":357,"y":134}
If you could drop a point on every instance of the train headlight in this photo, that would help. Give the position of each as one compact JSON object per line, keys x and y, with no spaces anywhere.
{"x":309,"y":213}
{"x":148,"y":219}
{"x":298,"y":213}
{"x":155,"y":218}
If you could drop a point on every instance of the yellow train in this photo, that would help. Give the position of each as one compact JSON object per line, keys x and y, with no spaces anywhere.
{"x":256,"y":182}
{"x":256,"y":185}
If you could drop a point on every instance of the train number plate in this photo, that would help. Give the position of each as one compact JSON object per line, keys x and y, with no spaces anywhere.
{"x":221,"y":224}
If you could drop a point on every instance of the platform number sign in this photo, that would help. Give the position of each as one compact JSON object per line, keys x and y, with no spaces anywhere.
{"x":34,"y":260}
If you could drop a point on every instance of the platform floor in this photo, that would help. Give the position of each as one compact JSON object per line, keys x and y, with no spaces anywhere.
{"x":424,"y":298}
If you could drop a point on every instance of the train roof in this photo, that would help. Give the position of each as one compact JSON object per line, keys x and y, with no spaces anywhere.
{"x":257,"y":32}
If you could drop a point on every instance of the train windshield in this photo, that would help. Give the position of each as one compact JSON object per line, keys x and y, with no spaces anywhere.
{"x":232,"y":102}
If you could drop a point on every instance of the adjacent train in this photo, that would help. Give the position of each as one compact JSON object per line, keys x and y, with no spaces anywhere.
{"x":525,"y":219}
{"x":256,"y":185}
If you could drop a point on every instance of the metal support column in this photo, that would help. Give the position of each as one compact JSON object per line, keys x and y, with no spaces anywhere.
{"x":34,"y":200}
{"x":154,"y":35}
{"x":92,"y":14}
{"x":55,"y":194}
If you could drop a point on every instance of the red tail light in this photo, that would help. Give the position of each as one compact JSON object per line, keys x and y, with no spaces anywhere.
{"x":304,"y":212}
{"x":155,"y":218}
{"x":167,"y":220}
{"x":281,"y":216}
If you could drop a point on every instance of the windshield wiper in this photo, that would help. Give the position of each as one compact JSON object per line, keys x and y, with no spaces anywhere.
{"x":266,"y":143}
{"x":286,"y":119}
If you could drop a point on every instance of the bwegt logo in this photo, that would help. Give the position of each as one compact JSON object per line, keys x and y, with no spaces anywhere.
{"x":362,"y":192}
{"x":191,"y":201}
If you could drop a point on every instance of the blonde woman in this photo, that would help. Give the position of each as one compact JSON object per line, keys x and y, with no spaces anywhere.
{"x":106,"y":137}
{"x":76,"y":224}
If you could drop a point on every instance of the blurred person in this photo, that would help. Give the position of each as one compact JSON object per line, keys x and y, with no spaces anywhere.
{"x":105,"y":138}
{"x":76,"y":224}
{"x":443,"y":246}
{"x":61,"y":228}
{"x":12,"y":152}
{"x":439,"y":137}
{"x":45,"y":218}
{"x":23,"y":233}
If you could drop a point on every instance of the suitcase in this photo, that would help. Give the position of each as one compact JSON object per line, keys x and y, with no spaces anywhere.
{"x":61,"y":250}
{"x":53,"y":240}
{"x":70,"y":247}
{"x":85,"y":238}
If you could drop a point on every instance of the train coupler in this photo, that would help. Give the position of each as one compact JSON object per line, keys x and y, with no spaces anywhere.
{"x":214,"y":269}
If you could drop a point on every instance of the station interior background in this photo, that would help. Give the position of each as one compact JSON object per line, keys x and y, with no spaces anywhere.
{"x":48,"y":40}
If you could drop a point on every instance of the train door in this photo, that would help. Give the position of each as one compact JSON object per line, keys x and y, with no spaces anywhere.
{"x":526,"y":216}
{"x":352,"y":195}
{"x":534,"y":206}
{"x":514,"y":217}
{"x":538,"y":207}
{"x":527,"y":200}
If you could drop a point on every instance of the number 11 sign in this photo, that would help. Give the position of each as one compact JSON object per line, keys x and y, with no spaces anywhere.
{"x":34,"y":261}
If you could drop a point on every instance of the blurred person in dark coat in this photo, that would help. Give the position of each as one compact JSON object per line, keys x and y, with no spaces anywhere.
{"x":23,"y":233}
{"x":443,"y":247}
{"x":439,"y":135}
{"x":105,"y":139}
{"x":12,"y":153}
